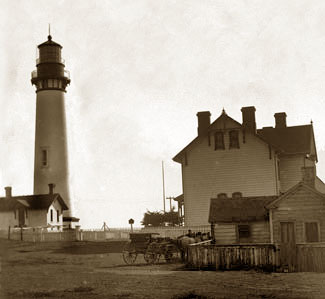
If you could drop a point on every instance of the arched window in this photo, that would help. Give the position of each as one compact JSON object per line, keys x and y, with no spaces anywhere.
{"x":51,"y":214}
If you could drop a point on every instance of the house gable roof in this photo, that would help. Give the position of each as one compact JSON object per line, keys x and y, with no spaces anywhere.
{"x":35,"y":202}
{"x":214,"y":126}
{"x":292,"y":140}
{"x":301,"y":185}
{"x":8,"y":204}
{"x":243,"y":209}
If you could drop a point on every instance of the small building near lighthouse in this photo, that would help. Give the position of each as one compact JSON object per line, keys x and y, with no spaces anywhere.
{"x":37,"y":211}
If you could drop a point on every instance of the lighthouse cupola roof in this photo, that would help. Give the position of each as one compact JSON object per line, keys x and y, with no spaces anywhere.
{"x":49,"y":42}
{"x":50,"y":70}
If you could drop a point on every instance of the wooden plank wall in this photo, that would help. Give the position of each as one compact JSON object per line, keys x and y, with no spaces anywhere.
{"x":232,"y":257}
{"x":310,"y":257}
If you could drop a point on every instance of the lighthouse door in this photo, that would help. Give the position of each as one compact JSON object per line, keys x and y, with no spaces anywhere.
{"x":21,"y":217}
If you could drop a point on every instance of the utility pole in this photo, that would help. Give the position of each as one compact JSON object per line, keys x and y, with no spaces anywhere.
{"x":163,"y":180}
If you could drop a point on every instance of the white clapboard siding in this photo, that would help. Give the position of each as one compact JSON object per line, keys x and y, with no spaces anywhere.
{"x":209,"y":172}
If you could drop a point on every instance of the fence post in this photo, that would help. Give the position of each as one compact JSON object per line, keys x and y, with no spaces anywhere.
{"x":21,"y":233}
{"x":9,"y":232}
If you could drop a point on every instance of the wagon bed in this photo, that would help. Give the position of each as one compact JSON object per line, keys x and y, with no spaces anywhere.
{"x":151,"y":246}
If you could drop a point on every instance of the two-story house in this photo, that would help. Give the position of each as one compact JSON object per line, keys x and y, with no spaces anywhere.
{"x":233,"y":174}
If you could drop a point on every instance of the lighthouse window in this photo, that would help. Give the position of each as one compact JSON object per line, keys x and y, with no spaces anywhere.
{"x":44,"y":157}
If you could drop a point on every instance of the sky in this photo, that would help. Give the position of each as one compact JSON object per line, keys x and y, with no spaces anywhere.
{"x":140,"y":71}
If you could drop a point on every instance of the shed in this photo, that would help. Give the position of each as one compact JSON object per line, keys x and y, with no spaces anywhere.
{"x":240,"y":220}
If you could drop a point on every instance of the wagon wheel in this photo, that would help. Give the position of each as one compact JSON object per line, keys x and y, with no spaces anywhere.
{"x":151,"y":255}
{"x":129,"y":253}
{"x":171,"y":252}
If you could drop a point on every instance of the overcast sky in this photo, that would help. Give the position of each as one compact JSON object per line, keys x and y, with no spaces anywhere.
{"x":140,"y":71}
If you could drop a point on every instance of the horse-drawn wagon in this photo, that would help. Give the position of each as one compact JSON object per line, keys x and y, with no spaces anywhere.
{"x":151,"y":246}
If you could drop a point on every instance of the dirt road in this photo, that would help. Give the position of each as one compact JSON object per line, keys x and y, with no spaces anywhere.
{"x":97,"y":270}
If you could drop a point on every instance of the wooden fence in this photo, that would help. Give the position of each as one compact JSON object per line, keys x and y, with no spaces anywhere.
{"x":45,"y":235}
{"x":227,"y":257}
{"x":308,"y":257}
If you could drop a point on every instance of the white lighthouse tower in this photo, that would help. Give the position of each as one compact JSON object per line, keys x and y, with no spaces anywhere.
{"x":51,"y":160}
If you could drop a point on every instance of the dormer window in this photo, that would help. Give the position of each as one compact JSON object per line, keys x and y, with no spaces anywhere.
{"x":219,"y":141}
{"x":233,"y":139}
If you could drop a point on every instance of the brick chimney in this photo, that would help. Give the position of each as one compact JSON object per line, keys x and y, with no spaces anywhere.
{"x":249,"y":122}
{"x":51,"y":188}
{"x":309,"y":175}
{"x":8,"y":192}
{"x":280,"y":120}
{"x":203,"y":118}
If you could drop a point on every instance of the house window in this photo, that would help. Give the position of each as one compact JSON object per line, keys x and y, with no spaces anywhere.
{"x":15,"y":214}
{"x":26,"y":213}
{"x":45,"y":157}
{"x":278,"y":165}
{"x":233,"y":139}
{"x":57,"y":216}
{"x":219,"y":141}
{"x":51,"y":214}
{"x":243,"y":231}
{"x":312,"y":232}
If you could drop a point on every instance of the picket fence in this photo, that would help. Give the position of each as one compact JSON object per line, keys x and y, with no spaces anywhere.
{"x":46,"y":235}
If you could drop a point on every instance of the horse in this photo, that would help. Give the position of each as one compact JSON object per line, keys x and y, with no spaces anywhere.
{"x":183,"y":242}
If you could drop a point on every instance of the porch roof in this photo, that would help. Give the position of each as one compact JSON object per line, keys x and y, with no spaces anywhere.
{"x":243,"y":209}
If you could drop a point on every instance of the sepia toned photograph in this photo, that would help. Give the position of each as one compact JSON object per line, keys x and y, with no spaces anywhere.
{"x":162,"y":149}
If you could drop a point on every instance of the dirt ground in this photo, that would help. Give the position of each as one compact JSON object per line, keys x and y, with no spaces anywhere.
{"x":97,"y":270}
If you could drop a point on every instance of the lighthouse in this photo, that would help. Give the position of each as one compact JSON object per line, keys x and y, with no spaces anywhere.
{"x":51,"y":157}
